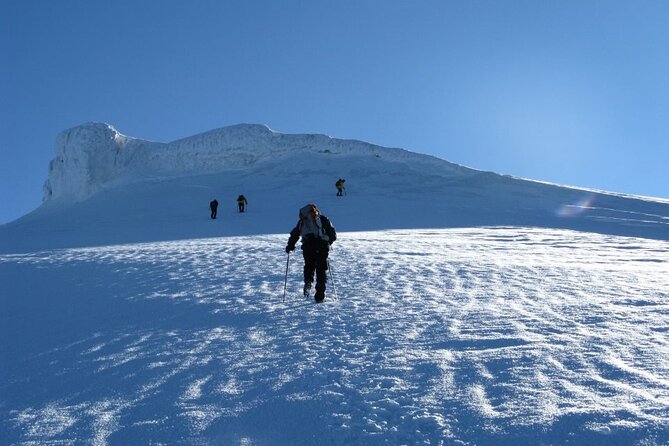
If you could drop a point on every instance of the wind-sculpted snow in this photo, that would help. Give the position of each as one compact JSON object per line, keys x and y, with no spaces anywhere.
{"x":498,"y":336}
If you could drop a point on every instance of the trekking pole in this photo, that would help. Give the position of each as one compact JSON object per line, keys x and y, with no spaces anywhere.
{"x":285,"y":282}
{"x":334,"y":286}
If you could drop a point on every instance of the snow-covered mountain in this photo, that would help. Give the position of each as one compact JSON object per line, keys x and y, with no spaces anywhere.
{"x":105,"y":188}
{"x":463,"y":307}
{"x":94,"y":156}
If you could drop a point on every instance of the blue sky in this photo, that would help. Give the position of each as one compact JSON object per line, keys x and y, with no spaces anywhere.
{"x":573,"y":92}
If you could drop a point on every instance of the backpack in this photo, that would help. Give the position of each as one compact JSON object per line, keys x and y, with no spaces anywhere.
{"x":311,"y":224}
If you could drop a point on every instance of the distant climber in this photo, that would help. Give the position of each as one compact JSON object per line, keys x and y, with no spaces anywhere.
{"x":241,"y":203}
{"x":340,"y":187}
{"x":213,"y":205}
{"x":317,"y":235}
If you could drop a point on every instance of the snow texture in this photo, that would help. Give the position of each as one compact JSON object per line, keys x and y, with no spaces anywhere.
{"x":467,"y":308}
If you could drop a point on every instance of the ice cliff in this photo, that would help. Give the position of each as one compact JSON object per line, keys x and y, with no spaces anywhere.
{"x":95,"y":155}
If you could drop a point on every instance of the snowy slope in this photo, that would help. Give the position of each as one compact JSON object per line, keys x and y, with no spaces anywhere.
{"x":473,"y":308}
{"x":106,"y":188}
{"x":93,"y":156}
{"x":498,"y":336}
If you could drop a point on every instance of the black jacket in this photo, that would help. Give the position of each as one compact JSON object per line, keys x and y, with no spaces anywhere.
{"x":327,"y":227}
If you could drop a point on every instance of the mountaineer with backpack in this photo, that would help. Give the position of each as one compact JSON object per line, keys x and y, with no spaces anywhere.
{"x":340,"y":186}
{"x":213,"y":206}
{"x":317,"y":235}
{"x":241,"y":203}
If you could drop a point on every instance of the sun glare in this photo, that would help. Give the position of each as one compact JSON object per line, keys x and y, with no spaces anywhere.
{"x":576,"y":208}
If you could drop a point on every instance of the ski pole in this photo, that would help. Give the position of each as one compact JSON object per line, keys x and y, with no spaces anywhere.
{"x":285,"y":282}
{"x":334,"y":286}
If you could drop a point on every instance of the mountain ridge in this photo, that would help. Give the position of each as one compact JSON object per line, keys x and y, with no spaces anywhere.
{"x":117,"y":189}
{"x":91,"y":155}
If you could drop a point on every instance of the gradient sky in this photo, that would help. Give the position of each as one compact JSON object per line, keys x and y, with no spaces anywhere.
{"x":572,"y":91}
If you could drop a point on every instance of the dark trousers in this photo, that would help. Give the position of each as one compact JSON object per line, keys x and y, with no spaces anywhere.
{"x":241,"y":207}
{"x":213,"y":212}
{"x":315,"y":254}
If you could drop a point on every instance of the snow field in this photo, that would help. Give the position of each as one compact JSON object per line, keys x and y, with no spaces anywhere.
{"x":480,"y":336}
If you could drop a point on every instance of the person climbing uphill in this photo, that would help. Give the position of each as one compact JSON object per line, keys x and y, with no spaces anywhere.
{"x":241,"y":203}
{"x":317,"y":234}
{"x":213,"y":206}
{"x":340,"y":187}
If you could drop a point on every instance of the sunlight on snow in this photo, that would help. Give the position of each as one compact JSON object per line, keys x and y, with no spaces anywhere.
{"x":523,"y":333}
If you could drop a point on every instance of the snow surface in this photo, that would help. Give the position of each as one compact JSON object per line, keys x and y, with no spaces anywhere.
{"x":472,"y":308}
{"x":106,"y":188}
{"x":458,"y":336}
{"x":93,"y":156}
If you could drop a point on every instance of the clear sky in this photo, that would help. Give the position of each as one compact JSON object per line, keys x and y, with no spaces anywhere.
{"x":571,"y":91}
